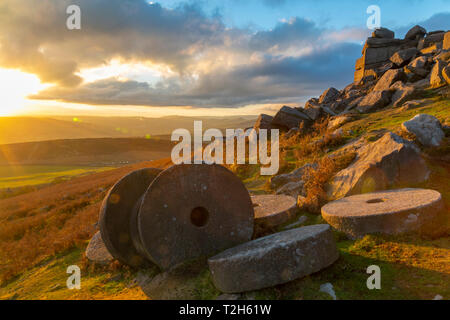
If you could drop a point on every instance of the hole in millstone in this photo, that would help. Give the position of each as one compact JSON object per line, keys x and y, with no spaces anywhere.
{"x":375,"y":201}
{"x":199,"y":216}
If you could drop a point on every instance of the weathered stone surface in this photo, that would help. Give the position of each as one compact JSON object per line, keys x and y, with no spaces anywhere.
{"x":313,"y":109}
{"x":436,"y":79}
{"x":403,"y":57}
{"x":192,"y":211}
{"x":264,"y":121}
{"x":389,"y":78}
{"x":389,"y":161}
{"x":273,"y":210}
{"x":297,"y":174}
{"x":338,"y":121}
{"x":274,"y":259}
{"x":374,"y":101}
{"x":426,"y":128}
{"x":414,"y":32}
{"x":389,"y":212}
{"x":290,"y":118}
{"x":383,"y":33}
{"x":446,"y":43}
{"x":96,"y":250}
{"x":116,"y":212}
{"x":293,"y":188}
{"x":419,"y":66}
{"x":329,"y":95}
{"x":446,"y":74}
{"x":402,"y":93}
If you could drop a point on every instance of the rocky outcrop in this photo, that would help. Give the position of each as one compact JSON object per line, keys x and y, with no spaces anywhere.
{"x":402,"y":93}
{"x":426,"y":128}
{"x":329,"y":95}
{"x":389,"y":161}
{"x":383,"y":33}
{"x":289,"y":118}
{"x":264,"y":121}
{"x":446,"y":42}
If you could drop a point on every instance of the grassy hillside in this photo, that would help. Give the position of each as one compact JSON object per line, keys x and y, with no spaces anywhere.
{"x":43,"y":232}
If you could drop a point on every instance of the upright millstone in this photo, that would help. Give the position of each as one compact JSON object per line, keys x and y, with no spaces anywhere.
{"x":389,"y":212}
{"x":191,"y":211}
{"x":116,"y":215}
{"x":273,"y":210}
{"x":274,"y":259}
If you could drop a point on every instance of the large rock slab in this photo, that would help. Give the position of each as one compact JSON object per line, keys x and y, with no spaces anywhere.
{"x":389,"y":78}
{"x":436,"y":79}
{"x":389,"y":161}
{"x":116,"y":214}
{"x":403,"y":93}
{"x":192,"y":211}
{"x":426,"y":128}
{"x":296,"y":175}
{"x":446,"y":43}
{"x":375,"y":101}
{"x":264,"y":121}
{"x":389,"y":212}
{"x":290,"y":118}
{"x":274,"y":259}
{"x":96,"y":250}
{"x":273,"y":210}
{"x":403,"y":57}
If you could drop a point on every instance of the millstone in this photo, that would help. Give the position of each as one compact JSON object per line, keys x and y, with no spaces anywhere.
{"x":273,"y":210}
{"x":116,"y":215}
{"x":191,"y":211}
{"x":96,"y":250}
{"x":390,"y":212}
{"x":274,"y":259}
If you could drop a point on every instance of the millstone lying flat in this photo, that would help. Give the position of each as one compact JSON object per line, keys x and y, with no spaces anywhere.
{"x":96,"y":250}
{"x":390,"y":212}
{"x":191,"y":211}
{"x":116,"y":215}
{"x":273,"y":210}
{"x":274,"y":259}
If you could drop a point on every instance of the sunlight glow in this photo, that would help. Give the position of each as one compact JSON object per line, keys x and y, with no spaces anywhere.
{"x":15,"y":87}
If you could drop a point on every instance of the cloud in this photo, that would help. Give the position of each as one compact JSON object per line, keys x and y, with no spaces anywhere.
{"x":439,"y":21}
{"x":212,"y":66}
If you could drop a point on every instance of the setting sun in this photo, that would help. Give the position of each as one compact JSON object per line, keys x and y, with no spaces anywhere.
{"x":16,"y":86}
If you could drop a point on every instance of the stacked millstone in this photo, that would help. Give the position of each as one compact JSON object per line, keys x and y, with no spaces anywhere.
{"x":167,"y":218}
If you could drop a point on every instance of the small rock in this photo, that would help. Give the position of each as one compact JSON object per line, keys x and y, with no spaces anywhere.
{"x":328,"y":288}
{"x":292,"y":189}
{"x":426,"y":128}
{"x":438,"y":297}
{"x":383,"y":33}
{"x":96,"y":251}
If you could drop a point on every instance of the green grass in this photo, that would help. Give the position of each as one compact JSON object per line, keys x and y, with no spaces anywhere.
{"x":31,"y":175}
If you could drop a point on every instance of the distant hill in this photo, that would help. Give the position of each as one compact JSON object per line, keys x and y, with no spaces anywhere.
{"x":26,"y":129}
{"x":91,"y":152}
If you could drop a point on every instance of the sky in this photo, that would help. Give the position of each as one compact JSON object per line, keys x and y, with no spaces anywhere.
{"x":193,"y":58}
